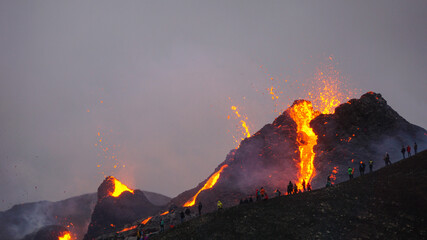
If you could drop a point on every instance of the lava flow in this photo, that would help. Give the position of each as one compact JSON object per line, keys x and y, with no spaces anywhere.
{"x":302,"y":113}
{"x":146,"y":220}
{"x":119,"y":188}
{"x":66,"y":236}
{"x":209,"y":184}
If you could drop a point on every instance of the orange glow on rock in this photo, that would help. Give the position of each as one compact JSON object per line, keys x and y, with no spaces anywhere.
{"x":302,"y":113}
{"x":209,"y":184}
{"x":146,"y":220}
{"x":66,"y":236}
{"x":119,"y":188}
{"x":127,"y":229}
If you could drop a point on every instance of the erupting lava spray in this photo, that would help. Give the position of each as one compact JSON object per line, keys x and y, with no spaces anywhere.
{"x":302,"y":113}
{"x":326,"y":94}
{"x":66,"y":236}
{"x":209,"y":184}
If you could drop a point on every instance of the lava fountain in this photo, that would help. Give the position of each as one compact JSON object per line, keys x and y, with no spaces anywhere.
{"x":209,"y":184}
{"x":66,"y":236}
{"x":302,"y":113}
{"x":119,"y":188}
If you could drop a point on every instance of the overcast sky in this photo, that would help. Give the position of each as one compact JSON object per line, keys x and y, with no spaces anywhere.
{"x":156,"y":79}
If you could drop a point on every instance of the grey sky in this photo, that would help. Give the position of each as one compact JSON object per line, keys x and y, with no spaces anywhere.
{"x":165,"y":70}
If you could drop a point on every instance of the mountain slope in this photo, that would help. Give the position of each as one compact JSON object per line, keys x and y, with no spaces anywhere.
{"x":386,"y":204}
{"x":28,"y":218}
{"x":359,"y":130}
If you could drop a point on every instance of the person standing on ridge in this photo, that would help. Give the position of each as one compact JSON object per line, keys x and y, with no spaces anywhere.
{"x":295,"y":189}
{"x":200,"y":208}
{"x":290,"y":188}
{"x":403,"y":151}
{"x":308,"y":186}
{"x":258,"y":195}
{"x":371,"y":165}
{"x":350,"y":172}
{"x":328,"y":182}
{"x":408,"y":148}
{"x":388,"y":158}
{"x":219,"y":205}
{"x":262,"y":191}
{"x":415,"y":147}
{"x":182,"y":216}
{"x":303,"y":184}
{"x":162,"y":225}
{"x":138,"y":234}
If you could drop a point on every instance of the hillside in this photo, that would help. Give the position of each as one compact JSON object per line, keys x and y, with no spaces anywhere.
{"x":387,"y":204}
{"x":27,"y":218}
{"x":359,"y":130}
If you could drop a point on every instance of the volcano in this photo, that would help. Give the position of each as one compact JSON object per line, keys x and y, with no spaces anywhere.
{"x":304,"y":145}
{"x":116,"y":206}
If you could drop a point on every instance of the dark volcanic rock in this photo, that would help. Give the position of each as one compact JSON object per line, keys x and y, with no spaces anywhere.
{"x":386,"y":204}
{"x":112,"y":213}
{"x":360,"y":130}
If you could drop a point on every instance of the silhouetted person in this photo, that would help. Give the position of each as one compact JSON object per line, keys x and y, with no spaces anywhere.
{"x":262,"y":191}
{"x":200,"y":208}
{"x":415,"y":147}
{"x":295,"y":189}
{"x":408,"y":148}
{"x":308,"y":187}
{"x":387,"y":159}
{"x":328,"y":182}
{"x":350,"y":172}
{"x":278,"y":193}
{"x":403,"y":151}
{"x":362,"y":168}
{"x":290,"y":188}
{"x":182,"y":216}
{"x":162,"y":225}
{"x":303,"y":184}
{"x":371,"y":165}
{"x":138,"y":234}
{"x":219,"y":205}
{"x":258,"y":195}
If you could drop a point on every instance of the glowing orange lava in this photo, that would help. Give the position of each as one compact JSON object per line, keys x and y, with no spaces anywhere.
{"x":119,"y":188}
{"x":66,"y":236}
{"x":302,"y":113}
{"x":209,"y":184}
{"x":164,"y":213}
{"x":127,"y":229}
{"x":146,"y":220}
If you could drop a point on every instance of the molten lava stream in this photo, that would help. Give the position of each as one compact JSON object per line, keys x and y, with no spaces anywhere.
{"x":66,"y":236}
{"x":209,"y":184}
{"x":146,"y":220}
{"x":302,"y":113}
{"x":119,"y":188}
